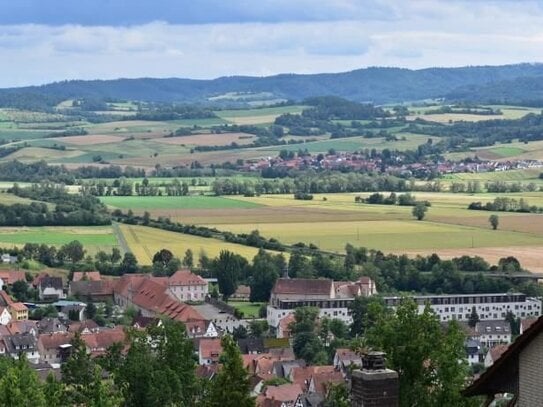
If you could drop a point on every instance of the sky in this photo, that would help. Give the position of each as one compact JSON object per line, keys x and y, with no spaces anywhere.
{"x":43,"y":41}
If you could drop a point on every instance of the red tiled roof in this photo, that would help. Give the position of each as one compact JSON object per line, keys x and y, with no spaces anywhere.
{"x":527,"y":323}
{"x":323,"y":380}
{"x":302,"y":286}
{"x":497,"y":351}
{"x":5,"y":299}
{"x":80,"y":326}
{"x":54,"y":340}
{"x":210,"y":348}
{"x":186,"y":277}
{"x":20,"y":327}
{"x":303,"y":375}
{"x":284,"y":392}
{"x":243,"y":290}
{"x":11,"y":276}
{"x":87,"y":275}
{"x":18,"y":306}
{"x":151,"y":294}
{"x":92,"y":288}
{"x":103,"y":339}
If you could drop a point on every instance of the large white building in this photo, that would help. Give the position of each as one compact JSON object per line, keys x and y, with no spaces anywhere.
{"x":331,"y":297}
{"x":488,"y":306}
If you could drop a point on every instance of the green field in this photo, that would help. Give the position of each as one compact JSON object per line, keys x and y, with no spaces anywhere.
{"x":94,"y":238}
{"x":411,"y":142}
{"x":249,"y":309}
{"x":525,"y":175}
{"x":175,"y":202}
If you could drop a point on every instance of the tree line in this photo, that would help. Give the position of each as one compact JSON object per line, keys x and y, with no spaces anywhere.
{"x":39,"y":171}
{"x":505,"y":204}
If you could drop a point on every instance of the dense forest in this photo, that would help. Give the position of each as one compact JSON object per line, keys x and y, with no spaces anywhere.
{"x":69,"y":209}
{"x":377,"y":85}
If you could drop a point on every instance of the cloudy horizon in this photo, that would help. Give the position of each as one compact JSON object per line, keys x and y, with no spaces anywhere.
{"x":53,"y":40}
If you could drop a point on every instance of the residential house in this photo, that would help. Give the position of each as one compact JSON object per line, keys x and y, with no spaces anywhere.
{"x":187,"y":286}
{"x":23,"y":327}
{"x":18,"y":311}
{"x":346,"y":359}
{"x":474,"y":351}
{"x":493,"y":354}
{"x":494,"y":332}
{"x":55,"y":348}
{"x":518,"y":371}
{"x":22,"y":343}
{"x":51,"y":288}
{"x":242,"y":293}
{"x":209,"y":351}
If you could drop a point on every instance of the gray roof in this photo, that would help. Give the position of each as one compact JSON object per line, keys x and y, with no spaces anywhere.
{"x":53,"y":282}
{"x":21,"y":341}
{"x":283,"y":368}
{"x":51,"y":325}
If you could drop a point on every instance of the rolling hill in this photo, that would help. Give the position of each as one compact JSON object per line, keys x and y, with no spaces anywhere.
{"x":378,"y":85}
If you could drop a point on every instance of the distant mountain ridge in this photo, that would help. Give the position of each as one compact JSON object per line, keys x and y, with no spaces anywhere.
{"x":377,"y":85}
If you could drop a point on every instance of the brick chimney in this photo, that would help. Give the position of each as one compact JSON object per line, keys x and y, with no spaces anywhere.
{"x":374,"y":385}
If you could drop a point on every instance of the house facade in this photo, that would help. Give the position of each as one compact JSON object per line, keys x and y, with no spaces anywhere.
{"x":187,"y":286}
{"x":492,"y":333}
{"x":332,"y":298}
{"x":488,"y":306}
{"x":5,"y":316}
{"x":51,"y":288}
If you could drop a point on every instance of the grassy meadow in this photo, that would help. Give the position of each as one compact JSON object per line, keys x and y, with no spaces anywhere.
{"x":94,"y":238}
{"x":175,"y":202}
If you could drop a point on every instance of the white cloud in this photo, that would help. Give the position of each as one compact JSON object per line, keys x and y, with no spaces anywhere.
{"x":418,"y":34}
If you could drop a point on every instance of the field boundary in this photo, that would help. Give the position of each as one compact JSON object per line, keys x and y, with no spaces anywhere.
{"x":120,"y":237}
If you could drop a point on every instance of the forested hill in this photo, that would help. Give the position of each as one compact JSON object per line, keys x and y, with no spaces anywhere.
{"x":526,"y":91}
{"x":378,"y":85}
